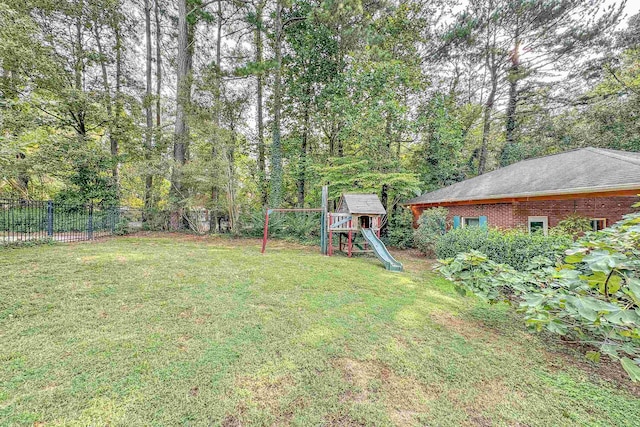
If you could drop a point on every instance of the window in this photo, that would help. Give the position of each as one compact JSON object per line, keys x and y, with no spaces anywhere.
{"x":474,"y":221}
{"x":471,"y":222}
{"x":538,"y":224}
{"x":598,"y":223}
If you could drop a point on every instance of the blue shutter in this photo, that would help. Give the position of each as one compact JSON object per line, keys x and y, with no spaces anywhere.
{"x":456,"y":222}
{"x":483,"y":222}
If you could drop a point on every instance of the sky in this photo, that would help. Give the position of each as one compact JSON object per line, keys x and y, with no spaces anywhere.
{"x":632,"y":7}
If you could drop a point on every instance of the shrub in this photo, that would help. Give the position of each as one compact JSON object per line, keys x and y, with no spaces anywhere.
{"x":591,"y":295}
{"x":512,"y":247}
{"x":121,"y":227}
{"x":297,"y":227}
{"x":574,"y":225}
{"x":432,"y":226}
{"x":400,"y":232}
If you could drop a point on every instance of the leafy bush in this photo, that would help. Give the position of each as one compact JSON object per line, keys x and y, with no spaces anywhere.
{"x":297,"y":227}
{"x":121,"y":227}
{"x":400,"y":233}
{"x":574,"y":225}
{"x":591,"y":294}
{"x":512,"y":247}
{"x":432,"y":226}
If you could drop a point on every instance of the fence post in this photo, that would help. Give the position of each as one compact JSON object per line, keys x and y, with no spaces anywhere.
{"x":90,"y":225}
{"x":49,"y":218}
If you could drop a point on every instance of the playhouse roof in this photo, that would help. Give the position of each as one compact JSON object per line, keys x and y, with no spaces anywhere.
{"x":361,"y":204}
{"x":585,"y":170}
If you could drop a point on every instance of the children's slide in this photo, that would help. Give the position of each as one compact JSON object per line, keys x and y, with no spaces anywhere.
{"x":381,"y":250}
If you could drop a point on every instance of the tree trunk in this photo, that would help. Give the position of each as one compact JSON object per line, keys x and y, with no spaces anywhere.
{"x":488,"y":110}
{"x":231,"y":182}
{"x":158,"y":71}
{"x":115,"y":149}
{"x":262,"y":173}
{"x":486,"y":129}
{"x":79,"y":115}
{"x":304,"y":148}
{"x":183,"y":100}
{"x":276,"y":148}
{"x":512,"y":104}
{"x":217,"y":143}
{"x":148,"y":187}
{"x":384,"y":199}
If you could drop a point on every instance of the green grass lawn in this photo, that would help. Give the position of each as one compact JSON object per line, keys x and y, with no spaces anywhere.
{"x":173,"y":331}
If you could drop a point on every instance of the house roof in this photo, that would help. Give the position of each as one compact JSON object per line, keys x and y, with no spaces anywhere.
{"x":584,"y":170}
{"x":361,"y":204}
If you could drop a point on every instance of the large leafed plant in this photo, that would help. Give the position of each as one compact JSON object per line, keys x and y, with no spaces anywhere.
{"x":591,"y":293}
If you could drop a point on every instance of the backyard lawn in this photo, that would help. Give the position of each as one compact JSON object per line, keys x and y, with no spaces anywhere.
{"x":175,"y":330}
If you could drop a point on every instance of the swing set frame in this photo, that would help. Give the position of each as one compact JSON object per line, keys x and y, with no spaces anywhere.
{"x":323,"y":221}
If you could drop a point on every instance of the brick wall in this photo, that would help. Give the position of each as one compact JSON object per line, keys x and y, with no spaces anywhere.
{"x":515,"y":215}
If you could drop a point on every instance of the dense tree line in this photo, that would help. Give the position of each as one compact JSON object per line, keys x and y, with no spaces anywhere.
{"x":236,"y":105}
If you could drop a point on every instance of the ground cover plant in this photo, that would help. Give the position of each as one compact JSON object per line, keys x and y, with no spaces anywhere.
{"x":591,"y":295}
{"x":192,"y":331}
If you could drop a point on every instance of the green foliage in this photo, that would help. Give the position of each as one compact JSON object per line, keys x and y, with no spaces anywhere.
{"x":592,"y":295}
{"x":400,"y":231}
{"x":574,"y":225}
{"x":439,"y":158}
{"x":351,"y":174}
{"x":300,"y":227}
{"x":122,"y":227}
{"x":432,"y":226}
{"x":512,"y":247}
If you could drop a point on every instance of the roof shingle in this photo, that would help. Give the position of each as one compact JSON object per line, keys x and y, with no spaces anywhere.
{"x":577,"y":171}
{"x":361,"y":204}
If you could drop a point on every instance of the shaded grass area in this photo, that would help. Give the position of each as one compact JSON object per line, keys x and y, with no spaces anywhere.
{"x":161,"y":331}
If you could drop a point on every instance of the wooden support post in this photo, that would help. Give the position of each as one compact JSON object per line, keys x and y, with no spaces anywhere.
{"x":340,"y":242}
{"x":330,"y":243}
{"x":350,"y":242}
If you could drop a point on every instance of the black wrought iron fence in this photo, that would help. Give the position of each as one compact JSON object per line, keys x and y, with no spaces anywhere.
{"x":32,"y":220}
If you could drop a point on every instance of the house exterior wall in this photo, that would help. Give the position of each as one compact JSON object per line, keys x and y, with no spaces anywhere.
{"x":515,"y":214}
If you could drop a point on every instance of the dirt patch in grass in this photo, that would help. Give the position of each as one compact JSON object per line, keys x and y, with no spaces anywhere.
{"x":341,"y":420}
{"x":488,"y":396}
{"x":231,"y":421}
{"x":468,"y":330}
{"x":413,"y":260}
{"x":266,"y":392}
{"x":404,"y":397}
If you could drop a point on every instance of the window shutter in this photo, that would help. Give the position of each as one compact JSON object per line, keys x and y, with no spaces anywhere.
{"x":483,"y":221}
{"x":456,"y":222}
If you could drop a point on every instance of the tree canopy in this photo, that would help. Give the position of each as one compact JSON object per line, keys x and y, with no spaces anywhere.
{"x":236,"y":106}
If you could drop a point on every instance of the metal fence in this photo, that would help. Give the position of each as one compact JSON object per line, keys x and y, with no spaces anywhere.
{"x":32,"y":220}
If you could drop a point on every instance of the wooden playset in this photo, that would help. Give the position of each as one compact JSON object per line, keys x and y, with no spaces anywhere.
{"x":357,"y":215}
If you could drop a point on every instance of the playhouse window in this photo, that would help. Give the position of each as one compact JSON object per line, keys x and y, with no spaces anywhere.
{"x":538,"y":224}
{"x":471,"y":222}
{"x":598,"y":223}
{"x":365,"y":222}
